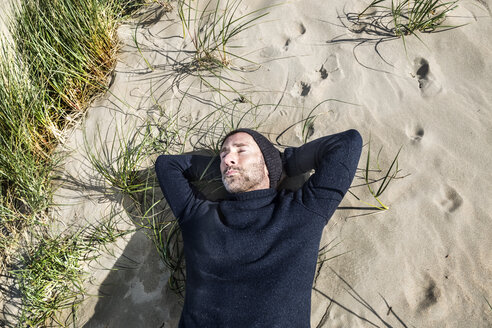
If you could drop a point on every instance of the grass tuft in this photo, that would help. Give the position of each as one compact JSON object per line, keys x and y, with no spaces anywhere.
{"x":387,"y":20}
{"x":401,"y":18}
{"x":51,"y":274}
{"x":213,"y":28}
{"x":410,"y":16}
{"x":119,"y":162}
{"x":377,"y":185}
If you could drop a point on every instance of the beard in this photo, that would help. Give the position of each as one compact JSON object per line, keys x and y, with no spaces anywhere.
{"x":244,"y":180}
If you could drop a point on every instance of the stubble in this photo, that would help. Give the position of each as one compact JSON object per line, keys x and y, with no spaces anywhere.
{"x":245,"y":179}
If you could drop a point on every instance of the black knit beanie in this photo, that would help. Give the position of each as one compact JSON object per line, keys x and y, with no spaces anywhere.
{"x":271,"y":155}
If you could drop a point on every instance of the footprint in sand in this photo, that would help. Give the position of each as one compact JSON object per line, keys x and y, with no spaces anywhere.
{"x":427,"y":85}
{"x":422,"y":71}
{"x":323,"y":72}
{"x":415,"y":133}
{"x":300,"y":89}
{"x":330,"y":68}
{"x":310,"y":130}
{"x":450,"y":200}
{"x":430,"y":294}
{"x":270,"y":52}
{"x":301,"y":29}
{"x":305,"y":88}
{"x":286,"y":44}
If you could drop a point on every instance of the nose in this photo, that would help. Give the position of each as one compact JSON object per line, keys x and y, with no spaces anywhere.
{"x":230,"y":159}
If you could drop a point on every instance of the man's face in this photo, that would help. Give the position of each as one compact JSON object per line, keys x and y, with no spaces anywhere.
{"x":242,"y":165}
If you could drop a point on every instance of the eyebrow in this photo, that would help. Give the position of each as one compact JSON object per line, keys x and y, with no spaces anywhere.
{"x":234,"y":145}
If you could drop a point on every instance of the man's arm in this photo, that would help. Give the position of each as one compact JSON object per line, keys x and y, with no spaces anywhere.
{"x":334,"y":159}
{"x":175,"y":174}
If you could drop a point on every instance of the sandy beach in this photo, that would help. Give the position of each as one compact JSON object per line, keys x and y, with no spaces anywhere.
{"x":305,"y":70}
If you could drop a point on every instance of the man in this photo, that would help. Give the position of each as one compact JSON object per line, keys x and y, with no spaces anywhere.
{"x":251,"y":258}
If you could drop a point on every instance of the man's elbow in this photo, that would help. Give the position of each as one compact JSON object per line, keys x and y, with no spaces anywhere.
{"x":160,"y":162}
{"x":162,"y":166}
{"x":355,"y":140}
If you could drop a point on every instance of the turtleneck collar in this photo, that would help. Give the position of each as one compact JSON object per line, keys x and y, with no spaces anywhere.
{"x":255,"y":194}
{"x":247,"y":209}
{"x":250,"y":200}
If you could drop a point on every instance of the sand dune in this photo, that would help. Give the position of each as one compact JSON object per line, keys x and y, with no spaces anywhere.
{"x":426,"y":261}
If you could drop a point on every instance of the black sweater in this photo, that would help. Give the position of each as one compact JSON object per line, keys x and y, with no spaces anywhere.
{"x":251,"y":259}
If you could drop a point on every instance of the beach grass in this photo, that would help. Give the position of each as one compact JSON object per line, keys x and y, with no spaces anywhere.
{"x":56,"y":58}
{"x":69,"y":47}
{"x":213,"y":28}
{"x":119,"y":163}
{"x":325,"y":252}
{"x":409,"y":16}
{"x":386,"y":20}
{"x":25,"y":160}
{"x":402,"y":18}
{"x":391,"y":173}
{"x":376,"y":179}
{"x":52,"y":272}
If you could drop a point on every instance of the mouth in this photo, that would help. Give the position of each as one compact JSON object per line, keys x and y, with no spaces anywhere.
{"x":230,"y":172}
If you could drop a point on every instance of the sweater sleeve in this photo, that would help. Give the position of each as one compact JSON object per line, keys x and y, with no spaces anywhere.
{"x":334,"y":159}
{"x":175,"y":174}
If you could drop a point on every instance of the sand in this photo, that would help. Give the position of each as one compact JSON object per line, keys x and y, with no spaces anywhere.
{"x":424,"y":262}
